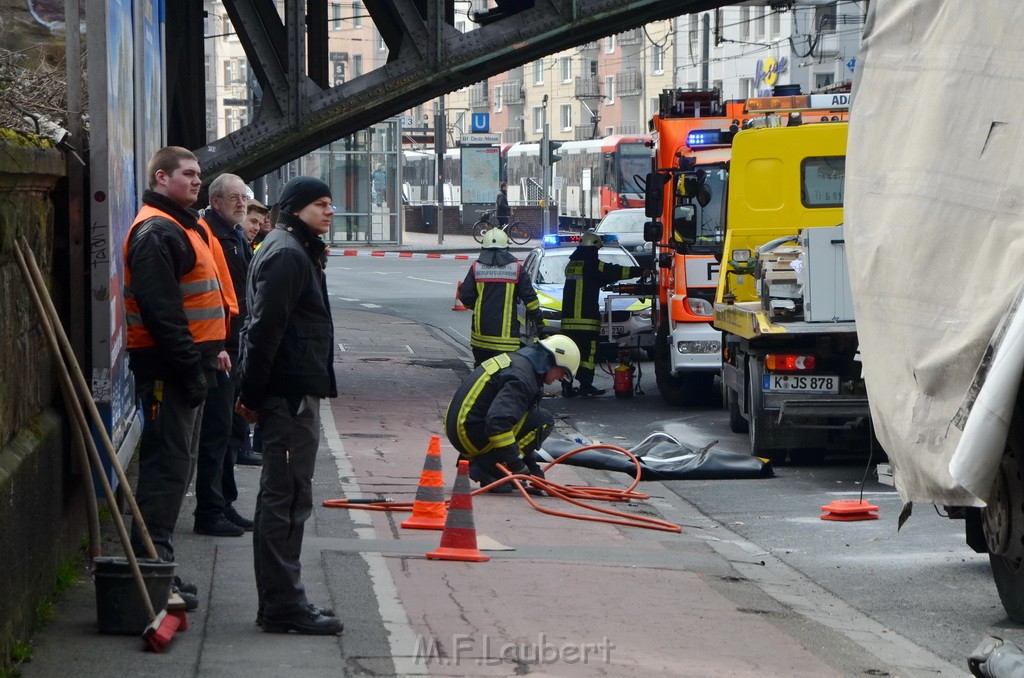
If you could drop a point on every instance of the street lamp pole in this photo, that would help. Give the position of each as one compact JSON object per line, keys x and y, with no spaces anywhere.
{"x":545,"y":214}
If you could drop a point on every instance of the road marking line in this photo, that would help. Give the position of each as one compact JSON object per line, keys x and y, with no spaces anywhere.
{"x":409,"y":349}
{"x":401,"y":636}
{"x":341,"y":347}
{"x":346,"y":299}
{"x":372,"y":305}
{"x":458,"y":333}
{"x":439,"y":282}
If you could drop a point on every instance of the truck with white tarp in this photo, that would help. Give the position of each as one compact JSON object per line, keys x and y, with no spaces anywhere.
{"x":934,"y":227}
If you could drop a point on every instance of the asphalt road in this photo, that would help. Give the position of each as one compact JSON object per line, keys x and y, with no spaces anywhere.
{"x":922,"y":582}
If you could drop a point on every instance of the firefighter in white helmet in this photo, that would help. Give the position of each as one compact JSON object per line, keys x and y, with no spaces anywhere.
{"x":493,"y":285}
{"x":495,"y":415}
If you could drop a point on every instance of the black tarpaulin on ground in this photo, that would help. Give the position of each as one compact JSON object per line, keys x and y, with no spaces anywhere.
{"x":662,"y":457}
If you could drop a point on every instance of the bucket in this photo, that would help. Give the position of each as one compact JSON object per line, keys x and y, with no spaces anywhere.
{"x":119,"y":610}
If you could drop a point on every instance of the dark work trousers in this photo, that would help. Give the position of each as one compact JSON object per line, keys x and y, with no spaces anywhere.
{"x":167,"y":457}
{"x":531,"y":435}
{"x":215,"y":476}
{"x":587,"y":344}
{"x":284,"y":502}
{"x":239,"y":441}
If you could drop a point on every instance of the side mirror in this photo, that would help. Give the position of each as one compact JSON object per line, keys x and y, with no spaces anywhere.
{"x":684,"y":223}
{"x":653,"y":231}
{"x":654,"y":194}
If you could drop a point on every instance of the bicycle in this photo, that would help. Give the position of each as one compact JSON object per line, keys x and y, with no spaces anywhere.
{"x":518,"y":232}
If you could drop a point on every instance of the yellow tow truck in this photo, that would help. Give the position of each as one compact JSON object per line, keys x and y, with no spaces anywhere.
{"x":790,"y":367}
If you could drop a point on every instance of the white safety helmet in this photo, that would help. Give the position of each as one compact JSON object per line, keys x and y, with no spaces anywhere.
{"x":565,"y":351}
{"x":591,"y":240}
{"x":495,"y":239}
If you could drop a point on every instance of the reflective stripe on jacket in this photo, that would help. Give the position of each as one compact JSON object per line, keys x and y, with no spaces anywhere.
{"x":490,"y":406}
{"x":205,"y":303}
{"x":491,"y":291}
{"x":585,"y":275}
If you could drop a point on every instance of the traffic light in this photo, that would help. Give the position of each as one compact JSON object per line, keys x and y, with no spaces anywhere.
{"x":552,"y":156}
{"x":547,"y":151}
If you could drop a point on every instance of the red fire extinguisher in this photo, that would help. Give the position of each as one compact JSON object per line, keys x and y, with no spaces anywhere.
{"x":623,"y":376}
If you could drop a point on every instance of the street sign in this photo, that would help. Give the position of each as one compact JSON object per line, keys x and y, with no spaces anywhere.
{"x":480,"y":122}
{"x":478,"y":139}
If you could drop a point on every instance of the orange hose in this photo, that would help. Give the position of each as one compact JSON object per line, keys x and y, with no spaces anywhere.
{"x":572,"y":494}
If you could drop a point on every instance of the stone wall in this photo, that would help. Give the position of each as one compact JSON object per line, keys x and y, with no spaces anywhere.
{"x":41,"y":521}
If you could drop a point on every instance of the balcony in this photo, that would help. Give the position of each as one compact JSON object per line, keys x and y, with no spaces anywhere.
{"x":587,"y":88}
{"x":629,"y":83}
{"x":511,"y":135}
{"x":589,"y":45}
{"x":513,"y":92}
{"x":628,"y":127}
{"x":583,"y":132}
{"x":478,"y":95}
{"x":630,"y":37}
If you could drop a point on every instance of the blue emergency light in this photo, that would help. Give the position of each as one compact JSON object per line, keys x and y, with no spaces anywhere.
{"x":705,"y":137}
{"x":609,"y":238}
{"x":551,"y":239}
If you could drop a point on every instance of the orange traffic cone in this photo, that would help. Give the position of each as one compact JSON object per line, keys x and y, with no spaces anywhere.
{"x":428,"y":510}
{"x":849,"y":510}
{"x":458,"y":541}
{"x":457,"y":306}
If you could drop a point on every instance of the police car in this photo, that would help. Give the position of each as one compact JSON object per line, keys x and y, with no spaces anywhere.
{"x":630,"y":316}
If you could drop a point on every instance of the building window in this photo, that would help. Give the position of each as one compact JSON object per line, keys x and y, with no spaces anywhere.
{"x":825,"y":18}
{"x":538,"y":72}
{"x":744,"y":22}
{"x":823,"y":80}
{"x":609,"y":89}
{"x":759,"y":23}
{"x":746,"y":88}
{"x":609,"y":44}
{"x":776,"y":23}
{"x":538,"y":119}
{"x":381,"y":45}
{"x":335,"y":15}
{"x":565,"y":68}
{"x":357,"y":15}
{"x":460,"y":26}
{"x":497,"y":98}
{"x":565,"y":117}
{"x":357,"y":65}
{"x":206,"y":63}
{"x":229,"y":71}
{"x":243,"y":70}
{"x":657,"y":59}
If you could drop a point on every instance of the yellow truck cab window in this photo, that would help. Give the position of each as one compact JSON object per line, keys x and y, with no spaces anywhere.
{"x":821,"y":181}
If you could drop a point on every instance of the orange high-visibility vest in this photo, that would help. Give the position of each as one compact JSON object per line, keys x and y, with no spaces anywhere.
{"x":223,"y":272}
{"x":206,"y":306}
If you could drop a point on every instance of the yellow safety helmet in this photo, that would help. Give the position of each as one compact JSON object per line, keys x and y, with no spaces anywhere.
{"x":591,"y":240}
{"x":495,"y":239}
{"x":565,"y":351}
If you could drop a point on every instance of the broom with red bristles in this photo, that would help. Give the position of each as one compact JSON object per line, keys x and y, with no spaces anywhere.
{"x":162,"y":626}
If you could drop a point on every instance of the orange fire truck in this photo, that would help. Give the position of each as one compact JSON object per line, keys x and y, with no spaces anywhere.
{"x":692,"y":134}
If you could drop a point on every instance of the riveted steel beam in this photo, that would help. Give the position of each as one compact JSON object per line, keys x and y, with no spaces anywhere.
{"x":428,"y":58}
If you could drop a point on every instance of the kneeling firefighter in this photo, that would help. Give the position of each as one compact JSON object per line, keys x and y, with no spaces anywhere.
{"x":494,"y":416}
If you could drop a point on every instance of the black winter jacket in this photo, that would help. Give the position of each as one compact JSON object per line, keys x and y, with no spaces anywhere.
{"x":159,"y":255}
{"x":287,"y":343}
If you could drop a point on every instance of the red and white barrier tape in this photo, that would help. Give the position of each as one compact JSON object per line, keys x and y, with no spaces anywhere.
{"x":399,"y":255}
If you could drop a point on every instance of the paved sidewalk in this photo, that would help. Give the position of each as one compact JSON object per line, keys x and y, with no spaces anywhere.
{"x":558,"y":597}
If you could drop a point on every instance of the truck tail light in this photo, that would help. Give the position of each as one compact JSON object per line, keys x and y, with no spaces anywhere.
{"x":788,"y":362}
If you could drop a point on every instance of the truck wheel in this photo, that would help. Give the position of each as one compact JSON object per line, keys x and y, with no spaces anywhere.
{"x":737,"y":424}
{"x":756,"y":418}
{"x":1003,"y":520}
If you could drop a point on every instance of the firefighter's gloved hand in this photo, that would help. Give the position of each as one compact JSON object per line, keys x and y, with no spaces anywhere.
{"x":533,"y":464}
{"x":196,"y":389}
{"x":543,"y":331}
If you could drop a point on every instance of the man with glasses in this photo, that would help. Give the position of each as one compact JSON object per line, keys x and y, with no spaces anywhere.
{"x":216,"y":491}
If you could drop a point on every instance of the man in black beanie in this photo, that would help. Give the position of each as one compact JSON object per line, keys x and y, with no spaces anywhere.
{"x":287,"y":352}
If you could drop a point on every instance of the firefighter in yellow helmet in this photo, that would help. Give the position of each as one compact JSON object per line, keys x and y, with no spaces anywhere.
{"x":495,"y":415}
{"x":493,"y":285}
{"x":585,"y":275}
